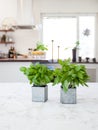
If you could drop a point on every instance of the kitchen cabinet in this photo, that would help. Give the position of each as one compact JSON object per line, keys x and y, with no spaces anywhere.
{"x":12,"y":67}
{"x":6,"y":36}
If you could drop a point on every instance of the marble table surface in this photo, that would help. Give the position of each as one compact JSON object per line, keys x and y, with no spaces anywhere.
{"x":18,"y":112}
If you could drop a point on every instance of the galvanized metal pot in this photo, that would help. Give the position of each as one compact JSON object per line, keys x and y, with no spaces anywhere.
{"x":68,"y":97}
{"x":40,"y":93}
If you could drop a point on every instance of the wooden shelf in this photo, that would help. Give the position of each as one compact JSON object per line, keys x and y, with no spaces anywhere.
{"x":7,"y":42}
{"x":9,"y":30}
{"x":4,"y":41}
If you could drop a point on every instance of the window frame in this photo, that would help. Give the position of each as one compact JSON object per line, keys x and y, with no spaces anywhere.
{"x":76,"y":15}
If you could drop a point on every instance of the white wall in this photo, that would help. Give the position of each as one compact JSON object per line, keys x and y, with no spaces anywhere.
{"x":69,"y":5}
{"x":8,"y":8}
{"x":27,"y":38}
{"x":96,"y":37}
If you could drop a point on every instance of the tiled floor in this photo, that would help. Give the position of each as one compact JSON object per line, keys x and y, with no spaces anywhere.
{"x":18,"y":112}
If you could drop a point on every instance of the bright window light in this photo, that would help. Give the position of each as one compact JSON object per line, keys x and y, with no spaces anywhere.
{"x":65,"y":31}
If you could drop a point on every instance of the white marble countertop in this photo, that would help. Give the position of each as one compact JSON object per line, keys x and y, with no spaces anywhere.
{"x":18,"y":112}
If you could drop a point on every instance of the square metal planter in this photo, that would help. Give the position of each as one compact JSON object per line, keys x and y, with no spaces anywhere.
{"x":39,"y":94}
{"x":68,"y":97}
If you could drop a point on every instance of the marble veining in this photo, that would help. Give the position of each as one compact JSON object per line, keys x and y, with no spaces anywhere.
{"x":17,"y":111}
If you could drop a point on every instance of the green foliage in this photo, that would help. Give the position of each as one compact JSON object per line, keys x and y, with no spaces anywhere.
{"x":38,"y":74}
{"x":70,"y":75}
{"x":76,"y":44}
{"x":41,"y":46}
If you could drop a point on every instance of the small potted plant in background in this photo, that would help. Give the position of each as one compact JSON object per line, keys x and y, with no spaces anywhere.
{"x":75,"y":52}
{"x":70,"y":76}
{"x":40,"y":49}
{"x":39,"y":76}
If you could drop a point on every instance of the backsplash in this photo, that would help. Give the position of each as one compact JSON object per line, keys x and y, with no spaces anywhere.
{"x":24,"y":39}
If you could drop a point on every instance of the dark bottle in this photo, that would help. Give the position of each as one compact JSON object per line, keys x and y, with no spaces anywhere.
{"x":11,"y":52}
{"x":74,"y":54}
{"x":3,"y":38}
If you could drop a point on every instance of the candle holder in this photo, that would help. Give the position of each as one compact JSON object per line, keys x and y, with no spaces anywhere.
{"x":87,"y":59}
{"x":58,"y":52}
{"x":52,"y":49}
{"x":80,"y":59}
{"x":94,"y":60}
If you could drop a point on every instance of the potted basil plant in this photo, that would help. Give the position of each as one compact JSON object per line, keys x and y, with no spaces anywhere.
{"x":40,"y":46}
{"x":40,"y":50}
{"x":39,"y":76}
{"x":70,"y":76}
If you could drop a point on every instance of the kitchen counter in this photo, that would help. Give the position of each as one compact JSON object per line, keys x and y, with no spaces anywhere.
{"x":17,"y":111}
{"x":23,"y":60}
{"x":37,"y":60}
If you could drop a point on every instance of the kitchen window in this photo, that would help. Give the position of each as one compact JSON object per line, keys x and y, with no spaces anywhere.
{"x":65,"y":31}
